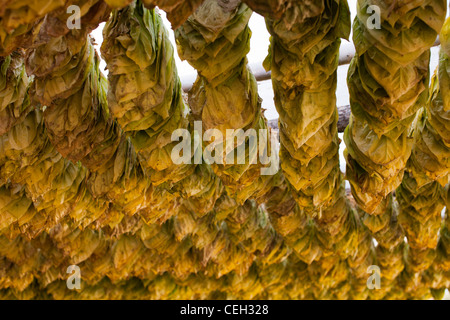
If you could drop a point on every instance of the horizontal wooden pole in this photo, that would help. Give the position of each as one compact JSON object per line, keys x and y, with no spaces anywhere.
{"x":346,"y":54}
